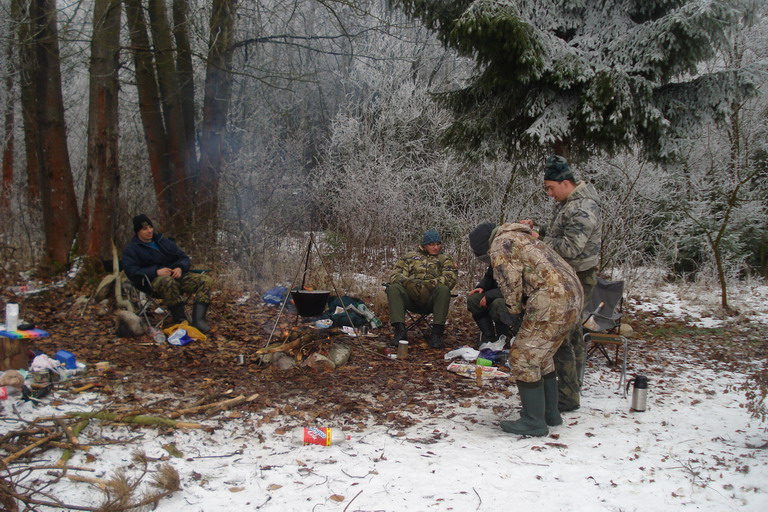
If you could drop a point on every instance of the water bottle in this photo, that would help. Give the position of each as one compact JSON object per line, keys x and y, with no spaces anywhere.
{"x":157,"y":336}
{"x":639,"y":392}
{"x":319,"y":436}
{"x":11,"y":316}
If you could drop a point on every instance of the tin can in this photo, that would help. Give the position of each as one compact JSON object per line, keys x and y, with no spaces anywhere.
{"x":240,"y":359}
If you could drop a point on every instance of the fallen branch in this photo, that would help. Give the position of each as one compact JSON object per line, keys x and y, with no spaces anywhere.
{"x":68,"y":452}
{"x":215,"y":407}
{"x":280,"y":348}
{"x":98,"y":482}
{"x":137,"y":420}
{"x":29,"y":448}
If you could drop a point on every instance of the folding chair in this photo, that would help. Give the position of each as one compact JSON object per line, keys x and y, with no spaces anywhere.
{"x":419,"y":320}
{"x":142,"y":294}
{"x":603,"y":321}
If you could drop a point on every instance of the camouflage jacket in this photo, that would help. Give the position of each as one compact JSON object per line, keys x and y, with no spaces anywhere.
{"x":525,"y":266}
{"x":419,"y":273}
{"x":576,"y":229}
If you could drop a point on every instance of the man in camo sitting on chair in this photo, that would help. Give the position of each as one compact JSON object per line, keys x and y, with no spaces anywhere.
{"x":153,"y":261}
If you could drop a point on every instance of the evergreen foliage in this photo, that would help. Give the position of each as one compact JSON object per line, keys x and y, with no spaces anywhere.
{"x":598,"y":76}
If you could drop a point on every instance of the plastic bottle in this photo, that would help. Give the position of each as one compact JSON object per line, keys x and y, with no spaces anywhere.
{"x":11,"y":316}
{"x":157,"y":335}
{"x":319,"y":436}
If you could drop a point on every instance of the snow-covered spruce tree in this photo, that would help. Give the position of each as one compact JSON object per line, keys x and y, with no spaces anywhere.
{"x":587,"y":76}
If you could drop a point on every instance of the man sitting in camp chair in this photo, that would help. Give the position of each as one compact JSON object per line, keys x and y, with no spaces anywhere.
{"x":155,"y":264}
{"x":422,"y":281}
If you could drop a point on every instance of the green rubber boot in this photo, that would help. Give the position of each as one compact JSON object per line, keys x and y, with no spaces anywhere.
{"x":551,"y":412}
{"x":531,"y":422}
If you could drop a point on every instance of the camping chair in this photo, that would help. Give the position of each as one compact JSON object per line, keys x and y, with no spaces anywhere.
{"x":141,"y":293}
{"x":602,"y":323}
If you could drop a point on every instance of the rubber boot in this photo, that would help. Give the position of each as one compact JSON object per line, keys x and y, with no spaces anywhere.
{"x":178,"y":314}
{"x":485,"y":324}
{"x":198,"y":317}
{"x":551,"y":413}
{"x":399,"y":333}
{"x":437,"y":336}
{"x":531,"y":422}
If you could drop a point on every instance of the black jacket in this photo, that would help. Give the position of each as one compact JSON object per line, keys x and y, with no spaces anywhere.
{"x":490,"y":287}
{"x":141,"y":260}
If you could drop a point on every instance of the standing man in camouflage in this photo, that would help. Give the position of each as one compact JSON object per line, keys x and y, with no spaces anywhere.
{"x":422,"y":281}
{"x":575,"y":233}
{"x":525,"y":267}
{"x":155,"y":262}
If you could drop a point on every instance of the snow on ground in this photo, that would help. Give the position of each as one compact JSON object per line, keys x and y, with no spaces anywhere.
{"x":693,"y":448}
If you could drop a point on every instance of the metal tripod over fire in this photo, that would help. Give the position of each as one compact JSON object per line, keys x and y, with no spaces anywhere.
{"x":308,"y":303}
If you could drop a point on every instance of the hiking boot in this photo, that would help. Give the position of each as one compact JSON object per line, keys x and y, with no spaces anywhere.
{"x":400,"y":333}
{"x":436,"y":341}
{"x":487,"y":333}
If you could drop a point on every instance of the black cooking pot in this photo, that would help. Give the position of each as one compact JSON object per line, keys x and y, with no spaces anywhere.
{"x":310,"y":302}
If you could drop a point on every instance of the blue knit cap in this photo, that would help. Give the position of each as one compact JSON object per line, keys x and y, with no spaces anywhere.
{"x":431,"y":236}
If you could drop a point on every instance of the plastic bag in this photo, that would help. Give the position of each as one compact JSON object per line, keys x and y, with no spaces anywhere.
{"x":496,"y":345}
{"x":275,"y":295}
{"x":179,"y":338}
{"x":466,"y":353}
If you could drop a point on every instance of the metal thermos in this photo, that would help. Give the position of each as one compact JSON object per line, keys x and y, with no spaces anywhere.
{"x":639,"y":392}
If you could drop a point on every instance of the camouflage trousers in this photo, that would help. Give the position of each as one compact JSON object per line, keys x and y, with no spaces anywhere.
{"x":570,"y":358}
{"x":532,"y":353}
{"x":170,"y":290}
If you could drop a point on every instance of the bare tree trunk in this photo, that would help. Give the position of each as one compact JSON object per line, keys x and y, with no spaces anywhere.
{"x":170,"y":100}
{"x":20,"y":10}
{"x":149,"y":107}
{"x":57,"y":192}
{"x":103,"y":175}
{"x":186,"y":76}
{"x":9,"y":140}
{"x":218,"y":88}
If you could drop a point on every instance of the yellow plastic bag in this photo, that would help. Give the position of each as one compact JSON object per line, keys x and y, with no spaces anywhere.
{"x":192,"y":332}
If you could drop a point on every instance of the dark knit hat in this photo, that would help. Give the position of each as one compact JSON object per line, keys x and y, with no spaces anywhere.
{"x":430,"y":237}
{"x":557,"y":169}
{"x":480,"y":238}
{"x":140,"y":222}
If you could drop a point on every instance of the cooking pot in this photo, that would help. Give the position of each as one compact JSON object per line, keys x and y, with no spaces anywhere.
{"x":310,"y":302}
